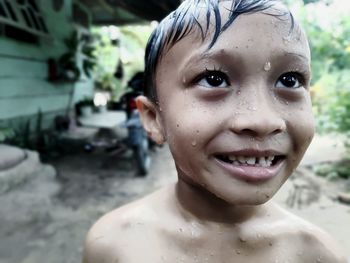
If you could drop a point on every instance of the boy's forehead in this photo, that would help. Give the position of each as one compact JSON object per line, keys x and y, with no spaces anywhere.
{"x":277,"y":17}
{"x":278,"y":13}
{"x":270,"y":34}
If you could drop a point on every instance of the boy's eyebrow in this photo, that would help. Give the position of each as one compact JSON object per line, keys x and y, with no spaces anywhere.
{"x":212,"y":54}
{"x":197,"y":56}
{"x":298,"y":55}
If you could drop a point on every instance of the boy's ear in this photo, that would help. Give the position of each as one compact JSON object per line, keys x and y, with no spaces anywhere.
{"x":150,"y":118}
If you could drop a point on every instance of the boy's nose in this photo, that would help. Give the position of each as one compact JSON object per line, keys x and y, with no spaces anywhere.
{"x":260,"y":121}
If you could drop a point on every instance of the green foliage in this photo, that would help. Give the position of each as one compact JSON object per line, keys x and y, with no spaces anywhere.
{"x":107,"y":55}
{"x":79,"y":48}
{"x":340,"y":110}
{"x":89,"y":58}
{"x":19,"y":136}
{"x":6,"y":134}
{"x":330,"y":49}
{"x":127,"y":49}
{"x":333,"y":170}
{"x":332,"y":101}
{"x":86,"y":101}
{"x":106,"y":82}
{"x":327,"y":2}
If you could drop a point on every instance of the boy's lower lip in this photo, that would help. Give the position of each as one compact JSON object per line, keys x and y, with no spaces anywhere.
{"x":251,"y":173}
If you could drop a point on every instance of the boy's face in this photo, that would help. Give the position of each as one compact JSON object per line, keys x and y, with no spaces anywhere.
{"x":237,"y":117}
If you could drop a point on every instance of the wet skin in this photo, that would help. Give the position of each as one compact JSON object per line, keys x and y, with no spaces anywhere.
{"x":245,"y":97}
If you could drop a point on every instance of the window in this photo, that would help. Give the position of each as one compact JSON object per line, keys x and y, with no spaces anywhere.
{"x":22,"y":20}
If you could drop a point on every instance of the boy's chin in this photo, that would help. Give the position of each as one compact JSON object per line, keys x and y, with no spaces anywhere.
{"x":246,"y":199}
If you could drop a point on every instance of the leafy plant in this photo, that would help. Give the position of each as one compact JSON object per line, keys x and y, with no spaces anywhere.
{"x":106,"y":82}
{"x":334,"y":170}
{"x":86,"y":101}
{"x":6,"y":134}
{"x":78,"y":47}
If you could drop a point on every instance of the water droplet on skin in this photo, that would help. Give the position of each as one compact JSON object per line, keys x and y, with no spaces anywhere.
{"x":194,"y":143}
{"x":252,"y":108}
{"x":160,"y":109}
{"x":238,"y":252}
{"x":267,"y":66}
{"x":192,"y":233}
{"x":242,"y":239}
{"x":286,"y":102}
{"x":238,"y":92}
{"x":286,"y":39}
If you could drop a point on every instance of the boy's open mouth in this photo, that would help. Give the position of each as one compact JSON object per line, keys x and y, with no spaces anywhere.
{"x":261,"y":161}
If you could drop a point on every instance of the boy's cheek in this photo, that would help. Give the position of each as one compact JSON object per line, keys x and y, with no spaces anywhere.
{"x":302,"y":131}
{"x":192,"y":126}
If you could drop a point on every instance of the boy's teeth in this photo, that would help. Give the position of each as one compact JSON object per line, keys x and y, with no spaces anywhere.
{"x":251,"y":160}
{"x":270,"y":158}
{"x":258,"y":161}
{"x":242,"y":159}
{"x":262,"y":161}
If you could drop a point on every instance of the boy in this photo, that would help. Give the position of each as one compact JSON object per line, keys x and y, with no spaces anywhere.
{"x":228,"y":89}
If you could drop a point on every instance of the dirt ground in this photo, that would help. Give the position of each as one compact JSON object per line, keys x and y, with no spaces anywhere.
{"x":46,"y":219}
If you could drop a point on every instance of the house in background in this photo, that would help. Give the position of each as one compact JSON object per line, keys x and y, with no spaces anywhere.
{"x":34,"y":31}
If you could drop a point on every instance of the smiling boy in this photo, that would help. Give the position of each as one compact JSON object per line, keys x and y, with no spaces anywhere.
{"x":228,"y":89}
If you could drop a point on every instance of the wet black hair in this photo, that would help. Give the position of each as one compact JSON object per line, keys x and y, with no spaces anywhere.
{"x":184,"y":20}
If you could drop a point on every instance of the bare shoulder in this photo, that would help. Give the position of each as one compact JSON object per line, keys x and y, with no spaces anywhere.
{"x":314,"y":244}
{"x":118,"y":233}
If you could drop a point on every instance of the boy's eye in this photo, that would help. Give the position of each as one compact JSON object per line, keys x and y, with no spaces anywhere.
{"x":291,"y":80}
{"x":213,"y":79}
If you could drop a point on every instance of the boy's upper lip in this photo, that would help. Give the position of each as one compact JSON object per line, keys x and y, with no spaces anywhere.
{"x":251,"y":152}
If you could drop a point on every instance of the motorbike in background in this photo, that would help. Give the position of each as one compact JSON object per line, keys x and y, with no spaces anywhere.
{"x":128,"y":134}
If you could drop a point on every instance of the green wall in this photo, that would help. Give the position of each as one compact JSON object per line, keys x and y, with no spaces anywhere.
{"x":24,"y":88}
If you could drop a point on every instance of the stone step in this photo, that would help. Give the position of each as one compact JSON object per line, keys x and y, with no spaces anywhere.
{"x":17,"y":166}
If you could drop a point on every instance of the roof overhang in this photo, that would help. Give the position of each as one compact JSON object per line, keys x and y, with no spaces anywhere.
{"x":120,"y":12}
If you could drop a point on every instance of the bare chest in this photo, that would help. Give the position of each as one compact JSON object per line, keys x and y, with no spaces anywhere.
{"x":212,"y":249}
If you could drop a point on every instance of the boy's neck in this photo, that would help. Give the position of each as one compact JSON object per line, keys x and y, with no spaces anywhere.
{"x":197,"y":203}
